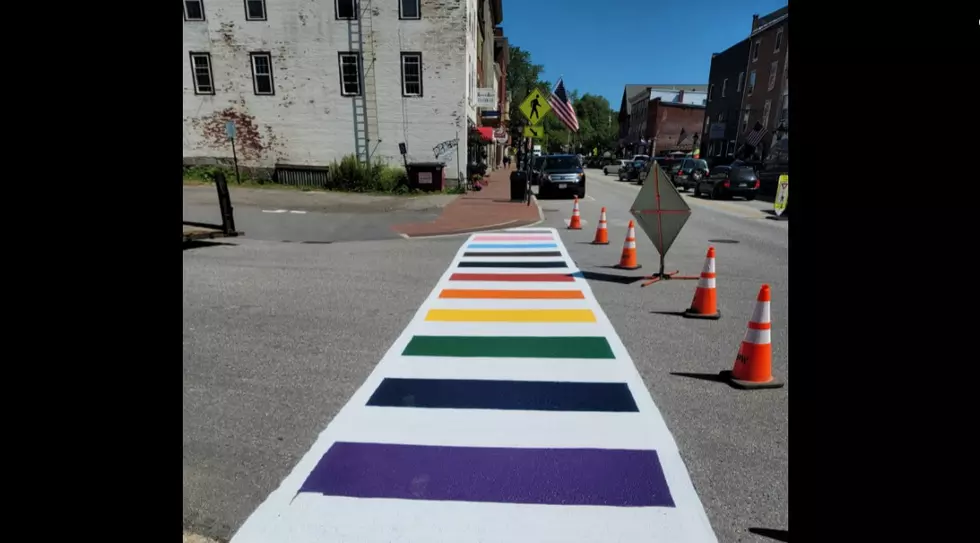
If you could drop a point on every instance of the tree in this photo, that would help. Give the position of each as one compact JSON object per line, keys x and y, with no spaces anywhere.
{"x":598,"y":123}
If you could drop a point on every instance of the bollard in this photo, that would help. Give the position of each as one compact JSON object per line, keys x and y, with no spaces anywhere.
{"x":224,"y":203}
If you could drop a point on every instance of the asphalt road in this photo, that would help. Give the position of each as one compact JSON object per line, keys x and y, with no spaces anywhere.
{"x":278,"y":336}
{"x":734,"y":442}
{"x":313,"y":217}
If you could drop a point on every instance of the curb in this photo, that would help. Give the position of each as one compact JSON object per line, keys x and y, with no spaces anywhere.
{"x":482,"y":228}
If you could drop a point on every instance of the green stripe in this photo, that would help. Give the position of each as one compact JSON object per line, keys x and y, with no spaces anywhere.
{"x":509,"y":347}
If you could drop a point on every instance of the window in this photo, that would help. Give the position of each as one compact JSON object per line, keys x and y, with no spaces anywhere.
{"x":193,"y":10}
{"x":255,"y":10}
{"x":262,"y":74}
{"x":711,"y":91}
{"x":751,"y":86}
{"x":346,"y":9}
{"x":745,"y":120}
{"x":731,"y":148}
{"x":755,"y":50}
{"x":411,"y":74}
{"x":773,"y":71}
{"x":350,"y":74}
{"x":779,"y":40}
{"x":741,"y":81}
{"x":409,"y":9}
{"x":201,"y":72}
{"x":765,"y":113}
{"x":722,"y":117}
{"x":724,"y":87}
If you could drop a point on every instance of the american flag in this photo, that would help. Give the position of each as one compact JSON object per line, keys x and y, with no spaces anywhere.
{"x":754,"y":136}
{"x":563,"y":108}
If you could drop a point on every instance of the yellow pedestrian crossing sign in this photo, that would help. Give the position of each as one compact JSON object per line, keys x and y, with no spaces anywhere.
{"x":782,"y":195}
{"x":533,"y":131}
{"x":535,"y":107}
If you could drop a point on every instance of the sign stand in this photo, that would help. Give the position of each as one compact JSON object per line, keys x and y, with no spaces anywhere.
{"x":782,"y":198}
{"x":661,"y":213}
{"x":230,"y":131}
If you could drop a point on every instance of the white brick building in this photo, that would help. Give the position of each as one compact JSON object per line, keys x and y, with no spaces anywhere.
{"x":310,"y":81}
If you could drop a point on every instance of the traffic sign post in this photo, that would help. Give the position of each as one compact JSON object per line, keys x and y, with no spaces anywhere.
{"x":782,"y":196}
{"x":230,"y":132}
{"x":533,"y":131}
{"x":661,"y":213}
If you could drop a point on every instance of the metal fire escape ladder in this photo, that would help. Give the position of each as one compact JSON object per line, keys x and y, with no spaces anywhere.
{"x":361,"y":39}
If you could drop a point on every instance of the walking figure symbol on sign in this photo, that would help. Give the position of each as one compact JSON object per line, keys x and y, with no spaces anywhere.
{"x":534,"y":108}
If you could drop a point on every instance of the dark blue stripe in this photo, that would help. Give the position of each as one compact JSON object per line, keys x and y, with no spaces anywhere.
{"x":503,"y":395}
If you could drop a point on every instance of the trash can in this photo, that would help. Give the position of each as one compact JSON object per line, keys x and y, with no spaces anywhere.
{"x":427,"y":176}
{"x":518,"y":185}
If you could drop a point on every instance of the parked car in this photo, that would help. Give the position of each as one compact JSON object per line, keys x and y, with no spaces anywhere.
{"x":614,"y":167}
{"x":562,"y":174}
{"x":631,"y":170}
{"x":774,"y":165}
{"x":536,"y":169}
{"x":689,"y":172}
{"x":736,"y":179}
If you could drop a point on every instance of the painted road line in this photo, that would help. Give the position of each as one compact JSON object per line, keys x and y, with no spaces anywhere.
{"x":504,"y":264}
{"x":514,"y":277}
{"x":474,"y":294}
{"x":511,"y":315}
{"x":470,"y":254}
{"x":512,"y":246}
{"x":508,"y":395}
{"x":529,"y":230}
{"x":419,"y":470}
{"x":513,"y":238}
{"x":509,"y":347}
{"x":607,"y":477}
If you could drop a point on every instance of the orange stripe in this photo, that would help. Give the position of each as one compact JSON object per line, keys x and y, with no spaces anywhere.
{"x":708,"y":275}
{"x":760,"y":325}
{"x":512,"y":294}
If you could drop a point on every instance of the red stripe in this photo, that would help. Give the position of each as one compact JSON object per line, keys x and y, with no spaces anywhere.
{"x":760,"y":325}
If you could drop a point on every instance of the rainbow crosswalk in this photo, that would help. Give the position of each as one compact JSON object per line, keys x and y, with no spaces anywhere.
{"x":507,"y":411}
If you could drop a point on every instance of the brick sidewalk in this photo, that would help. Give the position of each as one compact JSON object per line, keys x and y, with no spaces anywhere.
{"x":477,"y":210}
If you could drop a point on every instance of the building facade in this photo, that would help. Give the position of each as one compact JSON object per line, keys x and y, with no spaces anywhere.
{"x":665,"y":121}
{"x":725,"y":85}
{"x":766,"y":66}
{"x":633,"y":128}
{"x":309,"y":82}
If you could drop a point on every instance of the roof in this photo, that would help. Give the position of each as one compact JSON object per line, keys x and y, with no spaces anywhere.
{"x":760,"y":24}
{"x":630,"y":91}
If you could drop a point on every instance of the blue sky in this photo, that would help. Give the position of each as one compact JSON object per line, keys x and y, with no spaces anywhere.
{"x":600,"y":46}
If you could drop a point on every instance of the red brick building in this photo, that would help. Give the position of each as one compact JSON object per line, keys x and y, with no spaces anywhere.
{"x":763,"y":98}
{"x":665,"y":122}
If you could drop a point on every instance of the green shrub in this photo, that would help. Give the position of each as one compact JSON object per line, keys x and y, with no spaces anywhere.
{"x":348,"y":175}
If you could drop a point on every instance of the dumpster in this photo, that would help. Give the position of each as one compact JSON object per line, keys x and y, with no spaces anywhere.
{"x":427,"y":176}
{"x":518,"y":185}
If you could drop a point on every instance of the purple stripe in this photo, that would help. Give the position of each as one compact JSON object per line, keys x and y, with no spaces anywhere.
{"x":609,"y":477}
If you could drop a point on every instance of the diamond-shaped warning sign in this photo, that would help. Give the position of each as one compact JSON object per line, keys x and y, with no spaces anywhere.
{"x":659,"y":209}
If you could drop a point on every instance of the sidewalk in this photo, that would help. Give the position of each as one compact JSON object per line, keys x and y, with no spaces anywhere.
{"x":477,"y":210}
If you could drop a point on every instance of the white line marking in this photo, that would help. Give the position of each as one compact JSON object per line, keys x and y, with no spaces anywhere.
{"x":287,"y":515}
{"x":297,"y":212}
{"x":273,"y":211}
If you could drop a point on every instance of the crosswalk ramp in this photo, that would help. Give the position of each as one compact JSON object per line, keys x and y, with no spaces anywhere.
{"x":507,"y":411}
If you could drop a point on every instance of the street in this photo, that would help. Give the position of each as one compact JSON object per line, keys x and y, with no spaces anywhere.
{"x":278,"y":337}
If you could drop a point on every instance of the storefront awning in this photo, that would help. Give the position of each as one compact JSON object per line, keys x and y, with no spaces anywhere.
{"x":485,"y":132}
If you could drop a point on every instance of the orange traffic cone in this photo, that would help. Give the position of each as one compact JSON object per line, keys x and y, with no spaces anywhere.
{"x":753,"y":364}
{"x":576,"y":222}
{"x":601,"y":231}
{"x":705,"y":303}
{"x":628,"y":260}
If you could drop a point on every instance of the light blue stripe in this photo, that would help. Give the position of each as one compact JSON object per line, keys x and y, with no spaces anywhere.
{"x":512,"y":246}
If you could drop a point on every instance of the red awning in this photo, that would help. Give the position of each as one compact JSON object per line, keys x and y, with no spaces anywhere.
{"x":486,"y":132}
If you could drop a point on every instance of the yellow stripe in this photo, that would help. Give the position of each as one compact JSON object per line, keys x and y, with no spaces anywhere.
{"x":511,"y":315}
